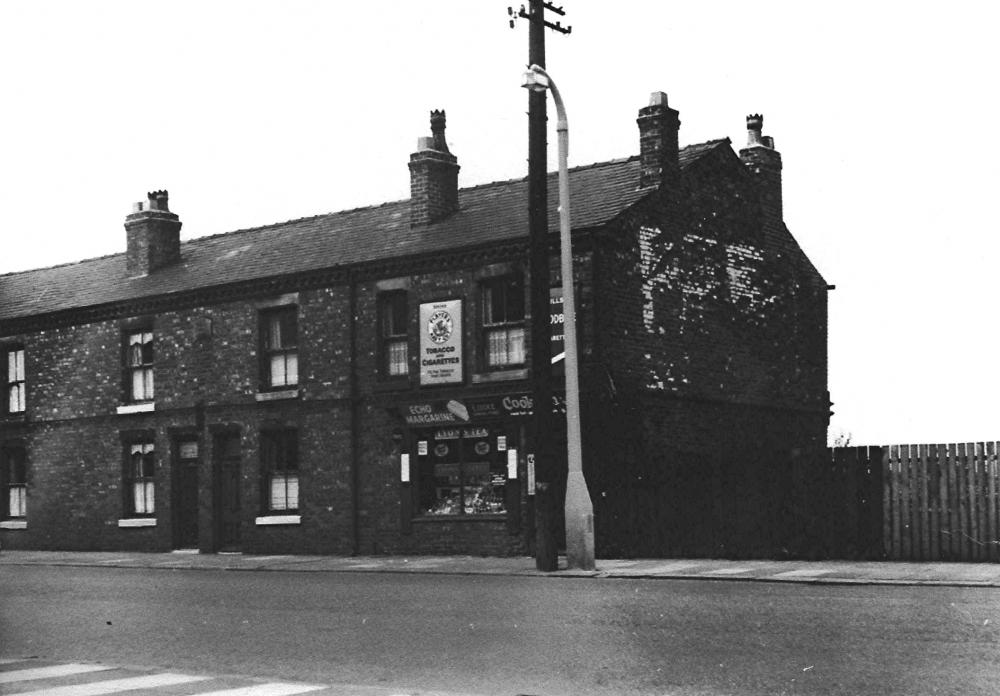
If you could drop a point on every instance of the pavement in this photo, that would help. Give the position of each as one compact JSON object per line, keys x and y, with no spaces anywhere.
{"x":816,"y":572}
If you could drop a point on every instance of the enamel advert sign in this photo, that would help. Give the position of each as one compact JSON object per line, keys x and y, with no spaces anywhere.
{"x":441,"y":342}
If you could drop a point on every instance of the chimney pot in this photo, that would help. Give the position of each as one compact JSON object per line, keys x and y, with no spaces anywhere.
{"x":658,"y":99}
{"x":755,"y":124}
{"x":437,"y":130}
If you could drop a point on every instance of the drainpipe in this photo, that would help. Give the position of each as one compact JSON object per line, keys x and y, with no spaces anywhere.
{"x":355,"y":420}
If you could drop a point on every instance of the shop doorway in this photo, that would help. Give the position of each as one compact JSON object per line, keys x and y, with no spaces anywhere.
{"x":186,"y":467}
{"x":227,"y":509}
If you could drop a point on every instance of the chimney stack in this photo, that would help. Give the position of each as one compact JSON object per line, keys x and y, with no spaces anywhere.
{"x":658,"y":148}
{"x":764,"y":164}
{"x":152,"y":235}
{"x":433,"y":176}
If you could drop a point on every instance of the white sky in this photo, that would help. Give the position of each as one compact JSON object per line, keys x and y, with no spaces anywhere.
{"x":256,"y":112}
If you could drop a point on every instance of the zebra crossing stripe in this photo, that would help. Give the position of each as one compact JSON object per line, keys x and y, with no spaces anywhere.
{"x":115,"y":686}
{"x":18,"y":675}
{"x":273,"y":689}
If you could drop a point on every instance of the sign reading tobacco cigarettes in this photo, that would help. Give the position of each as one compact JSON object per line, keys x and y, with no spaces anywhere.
{"x":441,"y":342}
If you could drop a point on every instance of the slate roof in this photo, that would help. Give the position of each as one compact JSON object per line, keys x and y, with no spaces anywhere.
{"x":488,"y":213}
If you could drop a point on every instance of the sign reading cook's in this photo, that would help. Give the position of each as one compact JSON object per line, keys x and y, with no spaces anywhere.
{"x":441,"y":342}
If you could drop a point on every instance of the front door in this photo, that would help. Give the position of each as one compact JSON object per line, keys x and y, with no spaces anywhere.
{"x":186,"y":495}
{"x":227,"y":511}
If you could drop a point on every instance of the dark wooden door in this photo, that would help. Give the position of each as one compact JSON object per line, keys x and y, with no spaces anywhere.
{"x":227,"y":511}
{"x":186,"y":496}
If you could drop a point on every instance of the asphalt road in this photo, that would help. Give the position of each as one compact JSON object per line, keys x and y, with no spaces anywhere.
{"x":512,"y":635}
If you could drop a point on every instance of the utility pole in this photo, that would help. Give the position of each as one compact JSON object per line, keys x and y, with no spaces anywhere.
{"x":546,"y":511}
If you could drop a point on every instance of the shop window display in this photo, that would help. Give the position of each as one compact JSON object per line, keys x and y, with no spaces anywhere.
{"x":462,"y":472}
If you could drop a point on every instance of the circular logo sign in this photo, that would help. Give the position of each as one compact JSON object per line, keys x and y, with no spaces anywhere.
{"x":439,"y":326}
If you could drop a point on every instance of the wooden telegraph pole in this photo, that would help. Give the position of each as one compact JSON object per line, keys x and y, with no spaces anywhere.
{"x":546,"y":510}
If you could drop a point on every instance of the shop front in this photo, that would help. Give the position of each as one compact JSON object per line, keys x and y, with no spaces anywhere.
{"x":466,"y":465}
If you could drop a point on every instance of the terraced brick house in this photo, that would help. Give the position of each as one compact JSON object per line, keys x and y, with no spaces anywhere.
{"x":359,"y":382}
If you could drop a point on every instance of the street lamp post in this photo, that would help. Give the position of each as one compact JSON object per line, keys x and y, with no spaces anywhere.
{"x":579,"y":508}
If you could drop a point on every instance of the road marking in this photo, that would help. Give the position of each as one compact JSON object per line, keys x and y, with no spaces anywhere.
{"x":672,"y":567}
{"x":802,"y":573}
{"x":727,"y":571}
{"x":115,"y":686}
{"x":273,"y":689}
{"x":47,"y":672}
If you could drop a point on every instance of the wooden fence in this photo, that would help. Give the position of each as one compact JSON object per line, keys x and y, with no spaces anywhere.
{"x":903,"y":502}
{"x":940,"y":502}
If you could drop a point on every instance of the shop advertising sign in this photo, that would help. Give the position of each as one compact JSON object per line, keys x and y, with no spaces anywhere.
{"x":556,"y":321}
{"x":434,"y":412}
{"x":441,"y":342}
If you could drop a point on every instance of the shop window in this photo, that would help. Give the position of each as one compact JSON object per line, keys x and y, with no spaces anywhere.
{"x":503,"y":322}
{"x":139,"y":366}
{"x":279,"y":348}
{"x":14,"y":382}
{"x":14,"y":483}
{"x":462,"y":473}
{"x":280,"y":469}
{"x":393,"y":323}
{"x":140,"y":479}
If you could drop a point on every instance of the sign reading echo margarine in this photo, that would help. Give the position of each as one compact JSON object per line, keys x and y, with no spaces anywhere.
{"x":441,"y":342}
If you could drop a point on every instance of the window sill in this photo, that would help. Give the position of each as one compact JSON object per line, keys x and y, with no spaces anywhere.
{"x":138,"y":522}
{"x":278,"y":395}
{"x":400,"y":384}
{"x":485,"y":517}
{"x":271,"y":520}
{"x":500,"y":376}
{"x":14,"y":524}
{"x":146,"y":407}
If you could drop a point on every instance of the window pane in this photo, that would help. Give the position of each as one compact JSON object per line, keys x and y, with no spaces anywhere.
{"x":289,"y":328}
{"x":142,"y":492}
{"x":292,"y":481}
{"x":398,"y":358}
{"x":15,"y":398}
{"x":285,"y":492}
{"x":142,"y":384}
{"x":274,"y":332}
{"x":278,"y":501}
{"x":15,"y":366}
{"x":497,"y":347}
{"x":515,"y":346}
{"x":279,"y":377}
{"x":490,"y":308}
{"x":17,"y":502}
{"x":292,"y":368}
